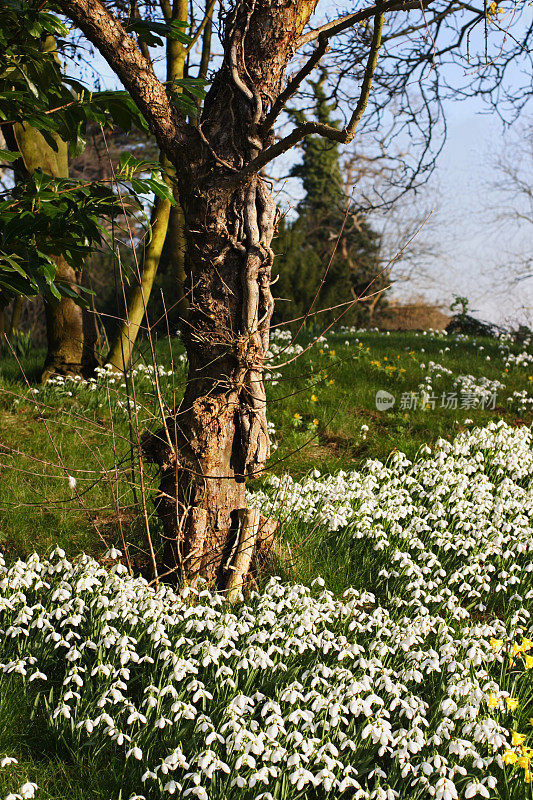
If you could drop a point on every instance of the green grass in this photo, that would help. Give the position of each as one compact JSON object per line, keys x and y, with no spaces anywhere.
{"x":46,"y":437}
{"x":43,"y":759}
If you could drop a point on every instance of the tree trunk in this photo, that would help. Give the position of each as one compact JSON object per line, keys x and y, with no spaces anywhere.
{"x":64,"y":331}
{"x":219,"y":434}
{"x":64,"y":320}
{"x":15,"y":316}
{"x":174,"y":278}
{"x":122,"y":346}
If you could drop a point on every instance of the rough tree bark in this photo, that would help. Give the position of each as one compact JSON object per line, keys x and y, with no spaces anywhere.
{"x":219,"y":434}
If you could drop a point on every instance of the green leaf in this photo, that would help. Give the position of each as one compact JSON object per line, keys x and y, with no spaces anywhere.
{"x":9,"y":156}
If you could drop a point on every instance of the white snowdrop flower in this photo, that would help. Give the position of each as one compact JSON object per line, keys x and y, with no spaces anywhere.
{"x":27,"y":790}
{"x":135,"y":716}
{"x":198,"y":791}
{"x":136,"y":752}
{"x":445,"y":790}
{"x":476,"y":788}
{"x":7,"y":760}
{"x":301,"y":777}
{"x":172,"y":787}
{"x":113,"y":553}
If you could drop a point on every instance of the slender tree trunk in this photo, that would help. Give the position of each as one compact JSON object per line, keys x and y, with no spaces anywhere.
{"x":122,"y":346}
{"x":161,"y":234}
{"x":173,"y":267}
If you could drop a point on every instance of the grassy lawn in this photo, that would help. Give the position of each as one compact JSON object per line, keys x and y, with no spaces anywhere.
{"x":319,"y":405}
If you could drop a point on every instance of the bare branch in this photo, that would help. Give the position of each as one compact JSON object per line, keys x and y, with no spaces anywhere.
{"x":207,"y":18}
{"x":122,"y":54}
{"x":344,"y":135}
{"x":367,"y":78}
{"x":295,"y":83}
{"x":349,"y":20}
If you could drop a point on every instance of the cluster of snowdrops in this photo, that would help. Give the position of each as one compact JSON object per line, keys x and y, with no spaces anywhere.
{"x":417,"y":683}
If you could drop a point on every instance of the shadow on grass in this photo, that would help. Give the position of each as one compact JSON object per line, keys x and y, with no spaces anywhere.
{"x":43,"y":757}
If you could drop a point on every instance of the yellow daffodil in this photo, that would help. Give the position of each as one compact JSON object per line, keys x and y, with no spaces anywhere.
{"x":510,"y":757}
{"x":516,"y":649}
{"x":527,"y":776}
{"x":528,"y":661}
{"x":493,"y":701}
{"x":526,"y":645}
{"x":511,"y":703}
{"x":522,"y":762}
{"x":527,"y":752}
{"x":496,"y":643}
{"x":517,"y":738}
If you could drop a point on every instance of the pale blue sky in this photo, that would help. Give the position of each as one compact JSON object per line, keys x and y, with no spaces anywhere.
{"x":473,"y":250}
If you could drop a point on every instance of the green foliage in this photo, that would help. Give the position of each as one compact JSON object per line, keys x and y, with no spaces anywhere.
{"x":43,"y":217}
{"x":153,"y":33}
{"x":460,"y":303}
{"x":34,"y":90}
{"x":306,"y":246}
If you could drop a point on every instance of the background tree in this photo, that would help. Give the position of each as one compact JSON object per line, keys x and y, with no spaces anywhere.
{"x":70,"y":345}
{"x":162,"y":237}
{"x":329,"y":254}
{"x":48,"y":223}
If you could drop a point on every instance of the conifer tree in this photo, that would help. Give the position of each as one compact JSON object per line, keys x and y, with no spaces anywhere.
{"x":325,"y":224}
